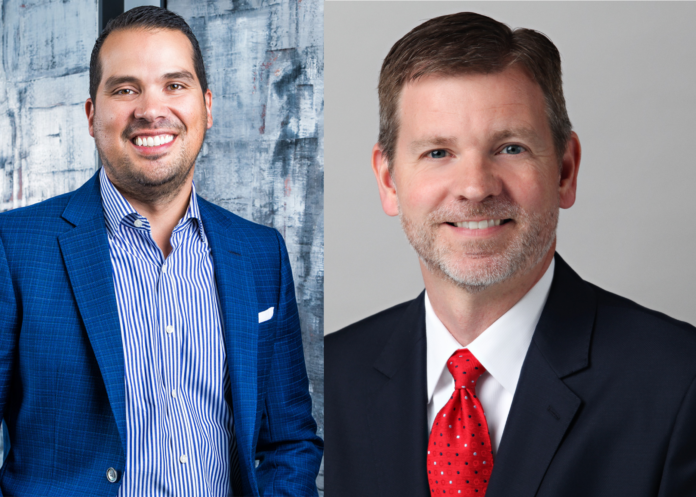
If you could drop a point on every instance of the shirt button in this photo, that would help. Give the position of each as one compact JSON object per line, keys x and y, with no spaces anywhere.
{"x":174,"y":393}
{"x":111,"y":475}
{"x":170,"y":329}
{"x":138,"y":223}
{"x":183,"y":459}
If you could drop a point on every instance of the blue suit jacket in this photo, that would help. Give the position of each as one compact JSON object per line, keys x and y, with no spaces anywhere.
{"x":62,"y":390}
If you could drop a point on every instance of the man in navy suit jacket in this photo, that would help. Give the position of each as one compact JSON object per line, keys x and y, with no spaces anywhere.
{"x":134,"y":257}
{"x":585,"y":393}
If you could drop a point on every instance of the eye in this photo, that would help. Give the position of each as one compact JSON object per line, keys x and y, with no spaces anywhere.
{"x":437,"y":154}
{"x":176,"y":86}
{"x":512,"y":149}
{"x":124,"y":91}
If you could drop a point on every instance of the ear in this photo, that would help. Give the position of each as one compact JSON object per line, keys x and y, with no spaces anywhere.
{"x":569,"y":171}
{"x":89,"y":110}
{"x":208,"y":97}
{"x":385,"y":183}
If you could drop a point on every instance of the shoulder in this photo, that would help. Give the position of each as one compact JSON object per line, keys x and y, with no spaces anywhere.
{"x":40,"y":219}
{"x":612,"y":304}
{"x":45,"y":220}
{"x":215,"y":214}
{"x":48,"y":208}
{"x":254,"y":236}
{"x":620,"y":335}
{"x":634,"y":330}
{"x":364,"y":340}
{"x":262,"y":247}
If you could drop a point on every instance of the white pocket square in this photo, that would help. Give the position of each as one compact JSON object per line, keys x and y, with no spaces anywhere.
{"x":266,"y":315}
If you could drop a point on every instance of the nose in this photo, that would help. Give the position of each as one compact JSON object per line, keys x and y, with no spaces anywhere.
{"x":149,"y":107}
{"x":476,"y":179}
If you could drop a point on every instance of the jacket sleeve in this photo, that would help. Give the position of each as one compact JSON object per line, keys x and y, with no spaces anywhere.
{"x":288,"y":448}
{"x":8,"y":331}
{"x":679,"y":472}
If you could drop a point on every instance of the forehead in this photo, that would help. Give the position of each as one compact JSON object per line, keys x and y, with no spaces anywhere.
{"x":480,"y":101}
{"x":139,"y":52}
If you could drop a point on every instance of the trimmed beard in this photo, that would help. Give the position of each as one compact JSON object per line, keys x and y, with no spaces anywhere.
{"x":140,"y":184}
{"x":520,"y":255}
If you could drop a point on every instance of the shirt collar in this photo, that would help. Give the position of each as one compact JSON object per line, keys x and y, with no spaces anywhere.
{"x":118,"y":210}
{"x":501,"y":348}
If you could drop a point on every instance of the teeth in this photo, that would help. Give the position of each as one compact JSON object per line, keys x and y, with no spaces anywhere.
{"x":478,"y":225}
{"x":153,"y":141}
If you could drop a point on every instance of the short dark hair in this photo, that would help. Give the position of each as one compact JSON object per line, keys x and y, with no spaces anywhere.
{"x":146,"y":17}
{"x":470,"y":43}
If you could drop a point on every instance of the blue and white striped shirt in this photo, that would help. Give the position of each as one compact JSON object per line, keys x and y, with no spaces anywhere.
{"x":178,"y":414}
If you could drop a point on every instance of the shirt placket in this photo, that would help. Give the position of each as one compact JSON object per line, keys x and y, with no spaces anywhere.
{"x":172,"y":330}
{"x":140,"y":339}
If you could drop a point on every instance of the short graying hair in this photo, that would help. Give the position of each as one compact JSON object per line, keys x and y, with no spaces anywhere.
{"x":470,"y":43}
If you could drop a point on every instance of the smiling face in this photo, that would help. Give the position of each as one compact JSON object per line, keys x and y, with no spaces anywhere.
{"x":150,"y":115}
{"x":475,"y":177}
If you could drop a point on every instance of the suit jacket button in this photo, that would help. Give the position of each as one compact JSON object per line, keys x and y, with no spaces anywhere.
{"x":111,"y":475}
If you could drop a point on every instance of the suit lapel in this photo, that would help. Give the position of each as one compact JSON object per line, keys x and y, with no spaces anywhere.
{"x":542,"y":410}
{"x":543,"y":406}
{"x":85,"y":251}
{"x":236,"y":288}
{"x":397,"y":416}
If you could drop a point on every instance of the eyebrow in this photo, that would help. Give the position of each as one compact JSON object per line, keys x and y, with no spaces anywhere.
{"x":179,"y":75}
{"x":433,"y":141}
{"x":521,"y":132}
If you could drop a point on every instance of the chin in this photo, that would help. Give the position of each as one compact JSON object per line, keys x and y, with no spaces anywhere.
{"x":478,"y":273}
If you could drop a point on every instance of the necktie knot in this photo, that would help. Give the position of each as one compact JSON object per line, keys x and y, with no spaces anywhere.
{"x":465,"y":369}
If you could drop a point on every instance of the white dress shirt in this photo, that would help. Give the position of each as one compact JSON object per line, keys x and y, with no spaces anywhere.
{"x":501,"y":349}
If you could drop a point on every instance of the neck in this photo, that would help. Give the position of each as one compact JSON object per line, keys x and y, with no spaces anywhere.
{"x":465,"y":314}
{"x":163,"y":213}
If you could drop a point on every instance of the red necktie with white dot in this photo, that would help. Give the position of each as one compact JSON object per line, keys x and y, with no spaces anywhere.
{"x":460,"y":460}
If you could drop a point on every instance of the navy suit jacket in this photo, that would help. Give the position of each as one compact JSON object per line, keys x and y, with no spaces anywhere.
{"x":62,"y":390}
{"x":605,"y":405}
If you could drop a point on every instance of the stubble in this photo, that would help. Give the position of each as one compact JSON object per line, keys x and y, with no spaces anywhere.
{"x":475,"y":265}
{"x":162,"y":177}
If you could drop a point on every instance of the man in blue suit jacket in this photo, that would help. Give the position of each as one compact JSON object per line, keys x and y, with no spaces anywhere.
{"x":69,"y":276}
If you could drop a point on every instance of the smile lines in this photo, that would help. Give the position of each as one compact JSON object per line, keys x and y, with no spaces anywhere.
{"x":153,"y":141}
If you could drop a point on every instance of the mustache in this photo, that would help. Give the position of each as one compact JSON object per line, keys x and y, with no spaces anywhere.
{"x":499,"y":207}
{"x":143,"y":125}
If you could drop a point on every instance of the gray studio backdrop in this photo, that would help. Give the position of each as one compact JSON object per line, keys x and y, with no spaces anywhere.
{"x":263,"y":158}
{"x":629,"y":74}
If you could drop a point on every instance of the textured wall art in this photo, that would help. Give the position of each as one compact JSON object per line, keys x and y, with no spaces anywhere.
{"x":262,"y":159}
{"x":45,"y":147}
